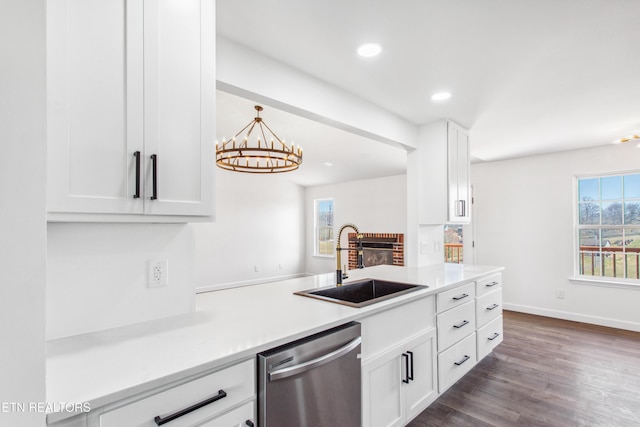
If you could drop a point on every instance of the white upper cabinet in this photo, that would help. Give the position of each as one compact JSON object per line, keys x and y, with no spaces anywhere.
{"x":443,"y":162}
{"x":458,"y":162}
{"x":130,"y":109}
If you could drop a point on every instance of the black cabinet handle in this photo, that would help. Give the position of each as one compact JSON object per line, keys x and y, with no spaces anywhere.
{"x":406,"y":366}
{"x":459,"y":297}
{"x":137,"y":157}
{"x":488,"y":285}
{"x":154,"y":175}
{"x":461,"y":324}
{"x":249,"y":423}
{"x":464,"y":359}
{"x":495,"y":335}
{"x":160,"y":421}
{"x":410,"y":376}
{"x":493,"y":307}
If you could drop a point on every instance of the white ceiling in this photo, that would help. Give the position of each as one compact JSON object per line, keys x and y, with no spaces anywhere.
{"x":527,"y":76}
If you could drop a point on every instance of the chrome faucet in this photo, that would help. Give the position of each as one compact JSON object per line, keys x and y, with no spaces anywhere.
{"x":339,"y":275}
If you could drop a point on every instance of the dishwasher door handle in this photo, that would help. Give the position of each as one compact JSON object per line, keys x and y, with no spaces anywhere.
{"x":314,"y":363}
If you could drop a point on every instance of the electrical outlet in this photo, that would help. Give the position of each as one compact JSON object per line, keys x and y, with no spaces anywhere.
{"x":560,"y":293}
{"x":424,"y":247}
{"x":158,"y":275}
{"x":256,"y":268}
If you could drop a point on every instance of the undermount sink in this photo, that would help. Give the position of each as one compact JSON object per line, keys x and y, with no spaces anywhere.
{"x":361,"y":293}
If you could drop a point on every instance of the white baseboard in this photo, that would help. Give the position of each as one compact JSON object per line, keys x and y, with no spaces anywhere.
{"x":576,"y":317}
{"x":209,"y":288}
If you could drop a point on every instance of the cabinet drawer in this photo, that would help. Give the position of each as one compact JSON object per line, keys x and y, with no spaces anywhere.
{"x":455,"y":297}
{"x":411,"y":319}
{"x":488,"y":307}
{"x":488,"y":284}
{"x":236,"y":417}
{"x":455,"y":324}
{"x":456,"y":361}
{"x":238,"y":382}
{"x":489,"y":336}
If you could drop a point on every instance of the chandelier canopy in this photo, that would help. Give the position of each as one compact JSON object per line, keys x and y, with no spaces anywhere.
{"x":261,"y":155}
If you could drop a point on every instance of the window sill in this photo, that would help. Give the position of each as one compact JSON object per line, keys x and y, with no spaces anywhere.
{"x":606,"y":282}
{"x":325,"y":256}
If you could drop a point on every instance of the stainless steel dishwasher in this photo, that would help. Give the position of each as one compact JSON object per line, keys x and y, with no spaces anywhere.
{"x":312,"y":382}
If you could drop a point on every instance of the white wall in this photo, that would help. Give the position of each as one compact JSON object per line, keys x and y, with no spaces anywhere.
{"x":373,"y":205}
{"x":22,"y":217}
{"x":97,"y":275}
{"x":259,"y":222}
{"x":523,"y":220}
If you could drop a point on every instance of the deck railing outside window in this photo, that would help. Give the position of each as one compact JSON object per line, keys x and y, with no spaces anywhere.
{"x":453,"y":253}
{"x":610,"y":261}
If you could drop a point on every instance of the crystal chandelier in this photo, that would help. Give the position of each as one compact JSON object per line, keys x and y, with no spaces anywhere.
{"x":261,"y":155}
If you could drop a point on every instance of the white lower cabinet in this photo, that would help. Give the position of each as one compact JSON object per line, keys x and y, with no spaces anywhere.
{"x":224,"y":398}
{"x":456,"y":361}
{"x":242,"y":416}
{"x":77,"y":421}
{"x":399,"y":383}
{"x":489,"y":336}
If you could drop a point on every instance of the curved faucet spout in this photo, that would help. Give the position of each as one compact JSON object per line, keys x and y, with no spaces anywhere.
{"x":339,"y":249}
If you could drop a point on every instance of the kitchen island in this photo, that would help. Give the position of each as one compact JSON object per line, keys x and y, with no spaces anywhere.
{"x":228,"y":327}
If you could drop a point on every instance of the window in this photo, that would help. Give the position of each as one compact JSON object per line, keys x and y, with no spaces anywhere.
{"x":323,"y":227}
{"x":609,"y":226}
{"x":453,"y":243}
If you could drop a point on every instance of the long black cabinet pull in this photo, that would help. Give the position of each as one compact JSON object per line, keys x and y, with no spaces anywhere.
{"x":493,"y":307}
{"x":495,"y":335}
{"x":461,"y":324}
{"x":406,"y":366}
{"x":459,"y":297}
{"x":488,"y":285}
{"x":137,"y":157}
{"x":410,"y":375}
{"x":160,"y":421}
{"x":154,"y":176}
{"x":464,"y":359}
{"x":249,"y":423}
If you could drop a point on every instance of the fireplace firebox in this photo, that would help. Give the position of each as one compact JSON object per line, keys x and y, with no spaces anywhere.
{"x":378,"y":249}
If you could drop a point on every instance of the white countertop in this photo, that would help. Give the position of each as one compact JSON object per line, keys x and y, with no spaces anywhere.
{"x":228,"y":326}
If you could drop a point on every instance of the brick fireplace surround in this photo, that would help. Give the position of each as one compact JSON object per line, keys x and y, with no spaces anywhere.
{"x":393,"y":242}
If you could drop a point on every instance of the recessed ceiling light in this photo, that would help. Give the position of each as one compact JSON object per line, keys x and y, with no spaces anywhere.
{"x":368,"y":50}
{"x":328,"y":164}
{"x":441,"y":96}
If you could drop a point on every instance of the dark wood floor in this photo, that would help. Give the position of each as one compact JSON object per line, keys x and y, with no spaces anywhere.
{"x":547,"y":372}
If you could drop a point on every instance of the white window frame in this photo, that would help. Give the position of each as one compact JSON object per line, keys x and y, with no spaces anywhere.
{"x":593,"y":279}
{"x":316,"y":227}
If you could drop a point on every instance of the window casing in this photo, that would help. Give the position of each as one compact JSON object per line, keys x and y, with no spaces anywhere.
{"x":323,"y":228}
{"x":608,"y":227}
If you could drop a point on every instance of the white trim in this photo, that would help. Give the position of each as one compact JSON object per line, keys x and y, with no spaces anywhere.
{"x":576,"y":317}
{"x":324,"y":256}
{"x":607,"y":282}
{"x":209,"y":288}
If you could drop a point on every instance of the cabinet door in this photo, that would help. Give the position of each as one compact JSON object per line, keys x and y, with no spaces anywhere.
{"x":422,"y":390}
{"x":179,"y":83}
{"x":382,"y":394}
{"x":458,"y":174}
{"x":94,"y":105}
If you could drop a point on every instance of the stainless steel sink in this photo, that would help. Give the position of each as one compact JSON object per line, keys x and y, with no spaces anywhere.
{"x":361,"y":293}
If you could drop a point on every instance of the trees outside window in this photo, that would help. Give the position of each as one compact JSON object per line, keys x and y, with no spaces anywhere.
{"x":324,"y":245}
